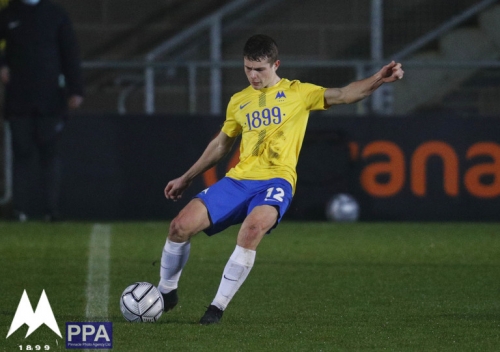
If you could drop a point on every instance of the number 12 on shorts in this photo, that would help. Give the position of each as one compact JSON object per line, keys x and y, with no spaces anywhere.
{"x":275,"y":194}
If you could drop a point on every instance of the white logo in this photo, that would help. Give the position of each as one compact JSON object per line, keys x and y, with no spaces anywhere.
{"x":42,"y":315}
{"x":14,"y":24}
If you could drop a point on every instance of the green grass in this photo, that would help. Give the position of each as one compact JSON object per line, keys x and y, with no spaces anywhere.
{"x":314,"y":287}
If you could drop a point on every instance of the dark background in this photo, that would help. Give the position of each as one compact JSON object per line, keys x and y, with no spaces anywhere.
{"x":116,"y":166}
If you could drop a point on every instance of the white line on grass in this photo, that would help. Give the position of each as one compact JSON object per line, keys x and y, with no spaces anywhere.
{"x":98,"y":273}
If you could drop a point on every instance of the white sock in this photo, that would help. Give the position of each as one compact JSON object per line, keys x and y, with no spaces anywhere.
{"x":173,"y":259}
{"x":236,"y":271}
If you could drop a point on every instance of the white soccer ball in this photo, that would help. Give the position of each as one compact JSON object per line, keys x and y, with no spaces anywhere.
{"x":141,"y":302}
{"x":342,"y":207}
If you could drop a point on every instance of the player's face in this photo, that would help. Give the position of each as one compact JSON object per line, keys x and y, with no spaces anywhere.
{"x":261,"y":74}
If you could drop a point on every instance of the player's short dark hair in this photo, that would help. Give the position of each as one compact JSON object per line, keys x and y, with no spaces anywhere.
{"x":261,"y":47}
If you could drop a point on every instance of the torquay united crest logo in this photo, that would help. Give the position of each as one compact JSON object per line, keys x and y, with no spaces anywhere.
{"x":280,"y":95}
{"x":34,"y":319}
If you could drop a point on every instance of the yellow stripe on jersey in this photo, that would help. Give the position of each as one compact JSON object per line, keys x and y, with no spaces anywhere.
{"x":272,"y":122}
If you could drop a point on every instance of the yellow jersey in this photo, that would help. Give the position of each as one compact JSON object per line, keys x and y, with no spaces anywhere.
{"x":272,"y":122}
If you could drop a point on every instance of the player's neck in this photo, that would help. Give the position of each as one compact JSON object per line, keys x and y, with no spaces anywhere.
{"x":274,"y":82}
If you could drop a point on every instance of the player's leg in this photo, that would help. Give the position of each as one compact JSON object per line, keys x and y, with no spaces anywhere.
{"x":24,"y":148}
{"x":253,"y":229}
{"x":266,"y":207}
{"x":192,"y":219}
{"x":213,"y":210}
{"x":49,"y":131}
{"x":261,"y":219}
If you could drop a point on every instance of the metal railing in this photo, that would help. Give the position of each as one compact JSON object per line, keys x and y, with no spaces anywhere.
{"x":442,"y":29}
{"x":381,"y":100}
{"x":213,"y":23}
{"x":360,"y":67}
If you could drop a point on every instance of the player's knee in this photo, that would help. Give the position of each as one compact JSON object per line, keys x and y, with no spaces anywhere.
{"x":251,"y":235}
{"x":254,"y":230}
{"x":179,"y":231}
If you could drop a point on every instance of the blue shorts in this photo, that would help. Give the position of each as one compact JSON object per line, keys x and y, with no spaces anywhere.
{"x":229,"y":201}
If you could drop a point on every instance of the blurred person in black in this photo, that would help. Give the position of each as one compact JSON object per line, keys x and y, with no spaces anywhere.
{"x":40,"y":69}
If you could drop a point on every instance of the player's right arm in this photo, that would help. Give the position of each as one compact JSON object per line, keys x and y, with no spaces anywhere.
{"x":215,"y":151}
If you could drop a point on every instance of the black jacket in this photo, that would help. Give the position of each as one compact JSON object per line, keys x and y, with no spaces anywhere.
{"x":43,"y":57}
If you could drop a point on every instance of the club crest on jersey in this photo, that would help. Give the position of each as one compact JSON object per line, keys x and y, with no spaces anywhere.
{"x":280,"y":96}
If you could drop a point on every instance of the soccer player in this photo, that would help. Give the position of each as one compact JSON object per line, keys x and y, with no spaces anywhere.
{"x":271,"y":115}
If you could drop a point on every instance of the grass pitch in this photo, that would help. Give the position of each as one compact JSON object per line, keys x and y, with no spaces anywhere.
{"x":314,"y":287}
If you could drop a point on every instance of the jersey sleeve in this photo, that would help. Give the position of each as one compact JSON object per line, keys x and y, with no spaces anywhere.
{"x":313,"y":96}
{"x":231,"y":127}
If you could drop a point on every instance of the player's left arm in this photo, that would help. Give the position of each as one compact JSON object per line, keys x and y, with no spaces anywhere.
{"x":359,"y":90}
